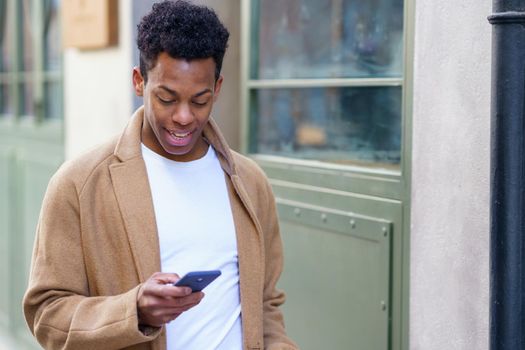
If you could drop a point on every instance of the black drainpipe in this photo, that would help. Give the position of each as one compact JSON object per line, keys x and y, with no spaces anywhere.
{"x":507,"y":170}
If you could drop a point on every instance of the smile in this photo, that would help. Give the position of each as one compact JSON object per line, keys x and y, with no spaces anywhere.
{"x":179,"y":135}
{"x":179,"y":139}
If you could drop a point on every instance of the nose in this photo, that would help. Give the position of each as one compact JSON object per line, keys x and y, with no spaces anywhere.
{"x":182,"y":114}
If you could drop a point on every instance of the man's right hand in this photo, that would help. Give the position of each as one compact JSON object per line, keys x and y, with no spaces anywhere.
{"x":159,"y":302}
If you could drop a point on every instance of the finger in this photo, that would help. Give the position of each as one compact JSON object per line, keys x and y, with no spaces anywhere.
{"x":175,"y":303}
{"x":161,"y":320}
{"x":165,"y":278}
{"x":158,"y":314}
{"x":161,"y":314}
{"x":173,"y":310}
{"x":160,"y":310}
{"x":168,"y":291}
{"x":153,"y":303}
{"x":191,"y":299}
{"x":176,"y":310}
{"x":173,"y":317}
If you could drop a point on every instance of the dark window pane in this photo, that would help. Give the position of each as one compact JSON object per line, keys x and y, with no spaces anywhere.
{"x":27,"y":35}
{"x":53,"y":100}
{"x":343,"y":125}
{"x":51,"y":35}
{"x":327,"y":39}
{"x":6,"y":37}
{"x":6,"y":104}
{"x":26,"y":100}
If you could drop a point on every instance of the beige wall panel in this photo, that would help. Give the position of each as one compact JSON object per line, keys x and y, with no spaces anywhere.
{"x":89,"y":24}
{"x":98,"y":90}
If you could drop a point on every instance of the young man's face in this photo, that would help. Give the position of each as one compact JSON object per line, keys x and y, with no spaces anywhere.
{"x":178,"y":99}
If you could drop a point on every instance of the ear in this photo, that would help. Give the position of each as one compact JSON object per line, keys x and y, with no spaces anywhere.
{"x":138,"y":82}
{"x":217,"y":88}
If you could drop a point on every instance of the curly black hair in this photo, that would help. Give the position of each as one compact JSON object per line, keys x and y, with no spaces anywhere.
{"x":183,"y":30}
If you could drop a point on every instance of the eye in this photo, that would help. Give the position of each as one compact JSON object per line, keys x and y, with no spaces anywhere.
{"x":164,"y":101}
{"x":200,"y":104}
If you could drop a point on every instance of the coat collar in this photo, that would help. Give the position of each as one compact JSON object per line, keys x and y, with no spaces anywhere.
{"x":130,"y":181}
{"x":128,"y":146}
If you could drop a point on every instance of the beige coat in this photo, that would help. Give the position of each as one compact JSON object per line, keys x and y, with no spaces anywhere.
{"x":97,"y":241}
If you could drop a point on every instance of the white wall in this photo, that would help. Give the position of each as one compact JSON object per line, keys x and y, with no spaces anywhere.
{"x":98,"y":89}
{"x":449,"y":254}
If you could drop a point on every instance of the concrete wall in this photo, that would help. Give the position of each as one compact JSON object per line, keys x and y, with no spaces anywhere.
{"x":227,"y":110}
{"x":98,"y":89}
{"x":449,"y":255}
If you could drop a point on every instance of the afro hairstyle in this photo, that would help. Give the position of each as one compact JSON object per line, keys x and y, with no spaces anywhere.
{"x":182,"y":30}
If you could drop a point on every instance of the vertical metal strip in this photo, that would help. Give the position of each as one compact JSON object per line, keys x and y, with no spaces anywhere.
{"x":13,"y":9}
{"x":37,"y":17}
{"x":245,"y":56}
{"x":400,"y":323}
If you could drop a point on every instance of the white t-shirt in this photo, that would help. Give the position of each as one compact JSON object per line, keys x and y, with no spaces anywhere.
{"x":196,"y":232}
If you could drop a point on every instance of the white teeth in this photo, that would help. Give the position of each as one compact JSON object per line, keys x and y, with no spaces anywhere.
{"x":179,"y":135}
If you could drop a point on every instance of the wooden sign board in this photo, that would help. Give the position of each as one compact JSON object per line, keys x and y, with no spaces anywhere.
{"x":89,"y":24}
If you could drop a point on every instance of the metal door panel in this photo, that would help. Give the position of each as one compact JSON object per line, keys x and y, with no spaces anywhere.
{"x":330,"y":234}
{"x":336,"y":277}
{"x":34,"y":167}
{"x":26,"y":166}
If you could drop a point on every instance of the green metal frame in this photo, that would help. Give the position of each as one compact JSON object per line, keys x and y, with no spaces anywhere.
{"x":361,"y":182}
{"x":336,"y":82}
{"x":406,"y":168}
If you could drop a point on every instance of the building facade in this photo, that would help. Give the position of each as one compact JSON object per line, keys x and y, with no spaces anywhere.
{"x":371,"y":119}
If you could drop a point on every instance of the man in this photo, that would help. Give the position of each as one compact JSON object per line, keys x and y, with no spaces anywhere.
{"x":168,"y":195}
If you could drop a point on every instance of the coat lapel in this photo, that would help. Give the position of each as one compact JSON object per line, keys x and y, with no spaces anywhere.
{"x":250,"y":268}
{"x":130,"y":182}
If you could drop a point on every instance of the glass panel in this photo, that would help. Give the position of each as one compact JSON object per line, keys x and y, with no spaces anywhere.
{"x":53,"y":100}
{"x":6,"y":105}
{"x":6,"y":37}
{"x":328,"y":39}
{"x":27,"y":35}
{"x":26,"y":101}
{"x":51,"y":35}
{"x":343,"y":125}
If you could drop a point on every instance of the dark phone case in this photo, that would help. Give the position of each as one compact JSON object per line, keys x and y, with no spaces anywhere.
{"x":198,"y":280}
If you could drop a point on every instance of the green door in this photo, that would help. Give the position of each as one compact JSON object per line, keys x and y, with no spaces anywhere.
{"x":325,"y":94}
{"x":31,"y":142}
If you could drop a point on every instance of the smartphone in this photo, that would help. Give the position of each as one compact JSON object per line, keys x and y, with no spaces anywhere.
{"x":198,"y":280}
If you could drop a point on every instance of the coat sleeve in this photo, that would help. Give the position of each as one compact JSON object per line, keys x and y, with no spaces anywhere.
{"x":275,"y":337}
{"x":57,"y":306}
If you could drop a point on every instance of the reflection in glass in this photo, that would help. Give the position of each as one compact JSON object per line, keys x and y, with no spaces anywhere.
{"x":345,"y":125}
{"x":328,"y":39}
{"x":26,"y":101}
{"x":6,"y":34}
{"x":53,"y":104}
{"x":27,"y":35}
{"x":51,"y":35}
